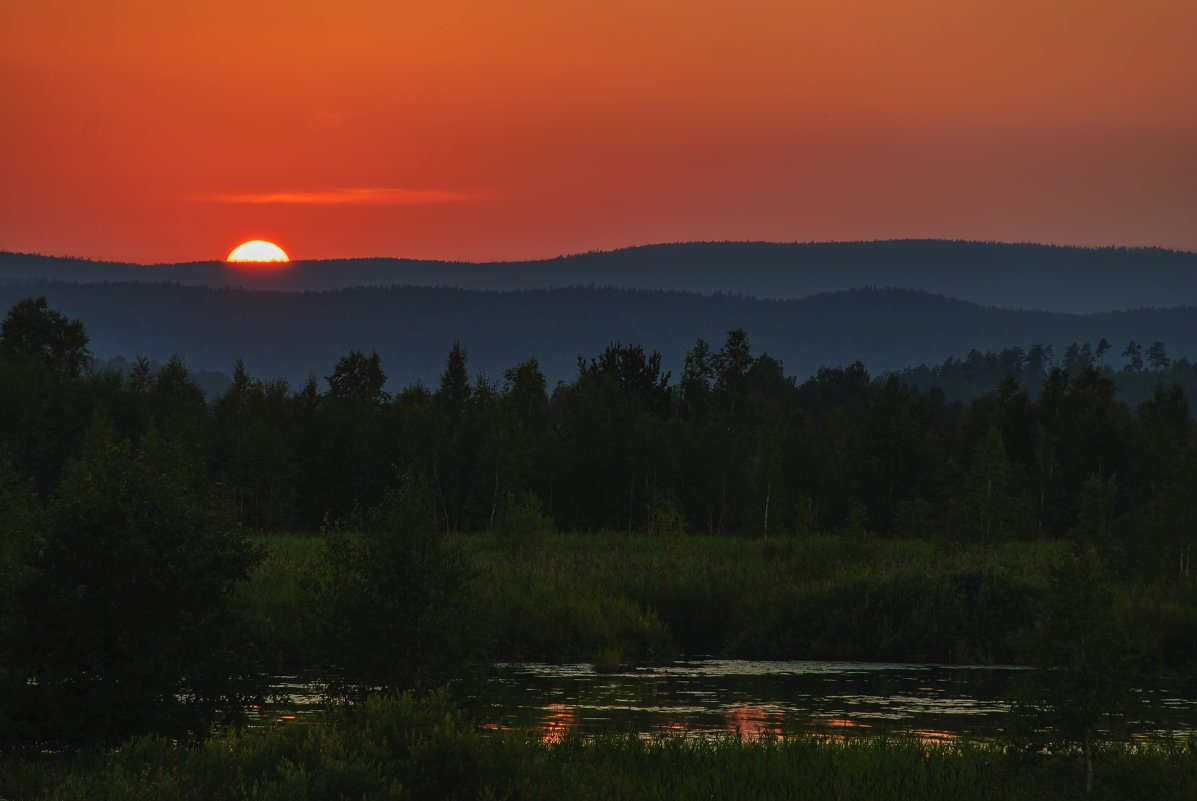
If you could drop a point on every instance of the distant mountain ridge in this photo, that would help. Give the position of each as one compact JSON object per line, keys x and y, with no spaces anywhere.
{"x":294,"y":334}
{"x":1013,"y":276}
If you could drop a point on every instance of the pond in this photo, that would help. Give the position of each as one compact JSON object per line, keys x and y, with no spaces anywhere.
{"x":715,"y":696}
{"x":711,"y":697}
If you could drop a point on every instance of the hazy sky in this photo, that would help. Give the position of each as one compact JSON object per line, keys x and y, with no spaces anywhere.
{"x":164,"y":130}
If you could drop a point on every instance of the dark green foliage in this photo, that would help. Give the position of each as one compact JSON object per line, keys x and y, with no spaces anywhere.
{"x":896,"y":453}
{"x":984,"y":510}
{"x":831,"y":388}
{"x":521,"y":525}
{"x":1159,"y":539}
{"x":526,"y":393}
{"x":18,"y":522}
{"x":523,"y":441}
{"x":1134,"y":356}
{"x":665,"y":521}
{"x":457,"y":436}
{"x":392,"y":606}
{"x":43,"y":414}
{"x":967,"y":615}
{"x":454,"y":393}
{"x":341,"y":435}
{"x":814,"y":598}
{"x":1086,"y":676}
{"x":31,"y":330}
{"x":746,"y":450}
{"x":120,"y":622}
{"x":613,"y":439}
{"x":695,"y":384}
{"x":637,"y":375}
{"x":358,"y":377}
{"x":254,"y":450}
{"x":178,"y":409}
{"x":964,"y":380}
{"x":1157,"y":356}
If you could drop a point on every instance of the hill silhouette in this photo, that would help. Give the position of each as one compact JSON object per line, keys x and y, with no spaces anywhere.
{"x":1016,"y":276}
{"x":294,"y":334}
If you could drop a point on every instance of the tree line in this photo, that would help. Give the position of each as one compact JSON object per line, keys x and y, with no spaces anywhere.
{"x":294,"y":334}
{"x":1135,"y":378}
{"x":731,"y":446}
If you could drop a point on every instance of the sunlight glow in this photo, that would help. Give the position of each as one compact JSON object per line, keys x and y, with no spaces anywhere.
{"x":258,"y":250}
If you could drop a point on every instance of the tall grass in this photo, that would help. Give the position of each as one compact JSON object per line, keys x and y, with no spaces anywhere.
{"x":633,"y":598}
{"x":278,"y":599}
{"x":819,"y":597}
{"x":402,"y":747}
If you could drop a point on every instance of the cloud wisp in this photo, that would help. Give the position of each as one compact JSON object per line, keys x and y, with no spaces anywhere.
{"x":375,"y":196}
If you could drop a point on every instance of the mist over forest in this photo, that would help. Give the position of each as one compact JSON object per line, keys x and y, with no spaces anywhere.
{"x":293,"y":335}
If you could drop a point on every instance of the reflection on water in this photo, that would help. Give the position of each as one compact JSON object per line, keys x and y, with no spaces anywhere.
{"x":292,"y":699}
{"x":754,"y":699}
{"x":751,"y":721}
{"x":715,"y":697}
{"x":559,"y":722}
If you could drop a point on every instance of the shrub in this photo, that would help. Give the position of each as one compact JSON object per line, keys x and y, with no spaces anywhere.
{"x":521,"y":525}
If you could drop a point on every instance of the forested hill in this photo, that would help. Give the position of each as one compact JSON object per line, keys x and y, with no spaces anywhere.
{"x":294,"y":334}
{"x":1018,"y":276}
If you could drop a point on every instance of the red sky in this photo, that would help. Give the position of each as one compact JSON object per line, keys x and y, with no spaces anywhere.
{"x":148,"y":130}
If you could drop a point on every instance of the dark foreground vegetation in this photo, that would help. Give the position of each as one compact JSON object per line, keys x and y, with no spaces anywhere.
{"x":402,"y":748}
{"x":634,"y":599}
{"x":149,"y":583}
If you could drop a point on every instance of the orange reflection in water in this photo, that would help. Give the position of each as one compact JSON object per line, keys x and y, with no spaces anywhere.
{"x":843,"y":728}
{"x":840,"y":728}
{"x":675,"y":726}
{"x":842,"y":723}
{"x":559,"y":722}
{"x":931,"y":737}
{"x":751,"y":722}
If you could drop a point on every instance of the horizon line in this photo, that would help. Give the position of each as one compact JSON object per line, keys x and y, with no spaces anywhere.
{"x":624,"y":248}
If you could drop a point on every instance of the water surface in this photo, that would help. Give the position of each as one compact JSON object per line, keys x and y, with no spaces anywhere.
{"x":713,"y":697}
{"x":716,"y":696}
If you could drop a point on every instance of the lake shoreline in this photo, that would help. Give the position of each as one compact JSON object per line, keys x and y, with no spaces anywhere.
{"x":423,"y":748}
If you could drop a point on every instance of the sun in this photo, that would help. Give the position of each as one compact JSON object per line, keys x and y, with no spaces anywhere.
{"x":258,"y":251}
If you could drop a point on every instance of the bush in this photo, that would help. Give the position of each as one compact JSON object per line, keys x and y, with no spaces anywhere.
{"x":394,"y":599}
{"x":121,"y":625}
{"x":521,"y":525}
{"x":665,"y":520}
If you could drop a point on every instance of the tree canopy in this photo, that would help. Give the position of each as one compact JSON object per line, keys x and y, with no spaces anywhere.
{"x":33,"y":330}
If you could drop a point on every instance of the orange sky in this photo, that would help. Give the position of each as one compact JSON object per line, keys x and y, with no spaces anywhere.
{"x":164,"y":130}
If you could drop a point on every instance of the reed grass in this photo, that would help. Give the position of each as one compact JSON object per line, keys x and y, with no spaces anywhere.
{"x":409,"y":748}
{"x":276,"y":601}
{"x":818,"y":597}
{"x":633,"y":598}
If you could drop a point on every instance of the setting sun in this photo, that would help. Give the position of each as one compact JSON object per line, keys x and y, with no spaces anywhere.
{"x":258,"y":251}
